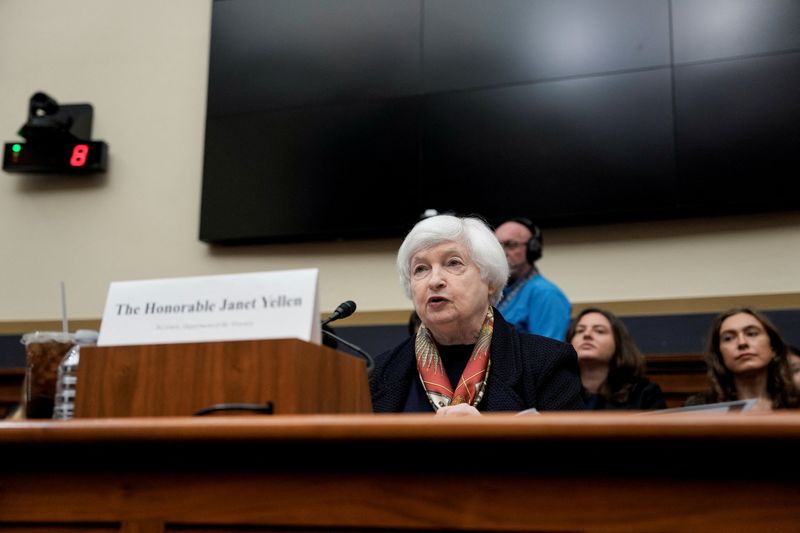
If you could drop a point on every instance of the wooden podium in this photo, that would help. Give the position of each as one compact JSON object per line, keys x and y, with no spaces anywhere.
{"x":294,"y":376}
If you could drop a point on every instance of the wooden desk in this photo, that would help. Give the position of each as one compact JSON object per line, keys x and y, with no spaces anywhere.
{"x":554,"y":472}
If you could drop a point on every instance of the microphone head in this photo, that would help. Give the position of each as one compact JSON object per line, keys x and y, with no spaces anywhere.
{"x":346,"y":309}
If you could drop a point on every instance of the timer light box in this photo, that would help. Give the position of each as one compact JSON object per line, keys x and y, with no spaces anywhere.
{"x":58,"y":140}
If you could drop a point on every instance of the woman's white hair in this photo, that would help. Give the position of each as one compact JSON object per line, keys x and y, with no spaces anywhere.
{"x":472,"y":232}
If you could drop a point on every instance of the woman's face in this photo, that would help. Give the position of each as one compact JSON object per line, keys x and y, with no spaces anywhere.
{"x":593,"y":338}
{"x":744,"y":344}
{"x":446,"y":287}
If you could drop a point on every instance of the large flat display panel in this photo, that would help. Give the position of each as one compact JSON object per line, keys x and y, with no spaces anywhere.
{"x":712,"y":30}
{"x":737,"y":101}
{"x":475,"y":43}
{"x":346,"y":119}
{"x":306,"y":173}
{"x":568,"y":151}
{"x":738,"y":134}
{"x":274,"y":54}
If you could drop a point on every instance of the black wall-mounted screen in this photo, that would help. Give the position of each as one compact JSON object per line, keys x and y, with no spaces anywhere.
{"x":346,"y":119}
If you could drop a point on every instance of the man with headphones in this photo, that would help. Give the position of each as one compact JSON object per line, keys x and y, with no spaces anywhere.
{"x":530,"y":301}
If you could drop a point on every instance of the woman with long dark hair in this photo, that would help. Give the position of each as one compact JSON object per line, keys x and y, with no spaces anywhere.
{"x":611,"y":365}
{"x":747,"y":358}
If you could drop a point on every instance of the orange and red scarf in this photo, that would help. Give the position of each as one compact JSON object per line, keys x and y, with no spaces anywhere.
{"x":437,"y":385}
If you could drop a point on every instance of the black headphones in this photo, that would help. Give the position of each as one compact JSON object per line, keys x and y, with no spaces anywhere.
{"x":533,"y":251}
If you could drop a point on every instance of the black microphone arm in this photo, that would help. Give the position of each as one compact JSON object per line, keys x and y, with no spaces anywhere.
{"x":344,"y":310}
{"x":367,"y":357}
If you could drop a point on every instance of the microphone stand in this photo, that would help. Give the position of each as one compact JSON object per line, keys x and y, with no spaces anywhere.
{"x":367,"y":357}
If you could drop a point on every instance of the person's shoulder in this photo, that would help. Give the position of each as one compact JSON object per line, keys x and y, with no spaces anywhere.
{"x":503,"y":328}
{"x":543,"y":282}
{"x":545,"y":348}
{"x":541,"y":340}
{"x":543,"y":285}
{"x":404,"y":345}
{"x":389,"y":357}
{"x":550,"y":367}
{"x":507,"y":332}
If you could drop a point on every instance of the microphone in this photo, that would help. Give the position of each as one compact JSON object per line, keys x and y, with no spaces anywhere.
{"x":344,"y":310}
{"x":367,"y":357}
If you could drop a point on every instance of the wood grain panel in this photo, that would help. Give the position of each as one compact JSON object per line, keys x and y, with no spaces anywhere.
{"x":180,"y":379}
{"x":593,"y":472}
{"x":679,"y":376}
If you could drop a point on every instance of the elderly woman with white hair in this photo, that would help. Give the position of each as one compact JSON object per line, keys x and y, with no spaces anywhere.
{"x":465,"y":358}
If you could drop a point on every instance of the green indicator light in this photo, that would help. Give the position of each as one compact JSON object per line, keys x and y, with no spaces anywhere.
{"x":16,"y":148}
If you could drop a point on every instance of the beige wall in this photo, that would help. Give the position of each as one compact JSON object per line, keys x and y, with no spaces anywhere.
{"x":143,"y":66}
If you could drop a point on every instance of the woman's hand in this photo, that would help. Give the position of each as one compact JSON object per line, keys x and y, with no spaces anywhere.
{"x":462,"y":409}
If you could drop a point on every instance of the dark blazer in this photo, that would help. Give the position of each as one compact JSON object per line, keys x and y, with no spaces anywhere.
{"x":526,"y":371}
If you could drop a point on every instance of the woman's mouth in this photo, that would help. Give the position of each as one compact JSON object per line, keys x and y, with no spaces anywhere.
{"x":436,"y":302}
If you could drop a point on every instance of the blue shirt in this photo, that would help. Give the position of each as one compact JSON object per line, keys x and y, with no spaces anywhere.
{"x":538,"y":306}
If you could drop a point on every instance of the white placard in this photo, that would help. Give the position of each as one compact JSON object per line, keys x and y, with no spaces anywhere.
{"x":259,"y":305}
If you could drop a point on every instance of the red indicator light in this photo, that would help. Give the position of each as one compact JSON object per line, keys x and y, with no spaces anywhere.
{"x":79,"y":153}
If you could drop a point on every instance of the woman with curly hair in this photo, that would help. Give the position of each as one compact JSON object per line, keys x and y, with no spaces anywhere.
{"x":611,"y":365}
{"x":747,"y":358}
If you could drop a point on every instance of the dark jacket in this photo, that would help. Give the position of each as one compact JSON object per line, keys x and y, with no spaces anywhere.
{"x":645,"y":395}
{"x":527,"y":371}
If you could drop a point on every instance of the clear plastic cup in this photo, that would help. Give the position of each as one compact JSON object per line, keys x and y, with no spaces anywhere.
{"x":44,"y":351}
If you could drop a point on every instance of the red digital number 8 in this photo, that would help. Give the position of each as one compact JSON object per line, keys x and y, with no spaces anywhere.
{"x":79,"y":153}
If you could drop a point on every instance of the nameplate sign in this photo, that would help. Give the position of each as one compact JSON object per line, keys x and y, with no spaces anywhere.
{"x":259,"y":305}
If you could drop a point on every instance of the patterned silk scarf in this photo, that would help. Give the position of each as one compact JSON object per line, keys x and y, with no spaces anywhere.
{"x":431,"y":370}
